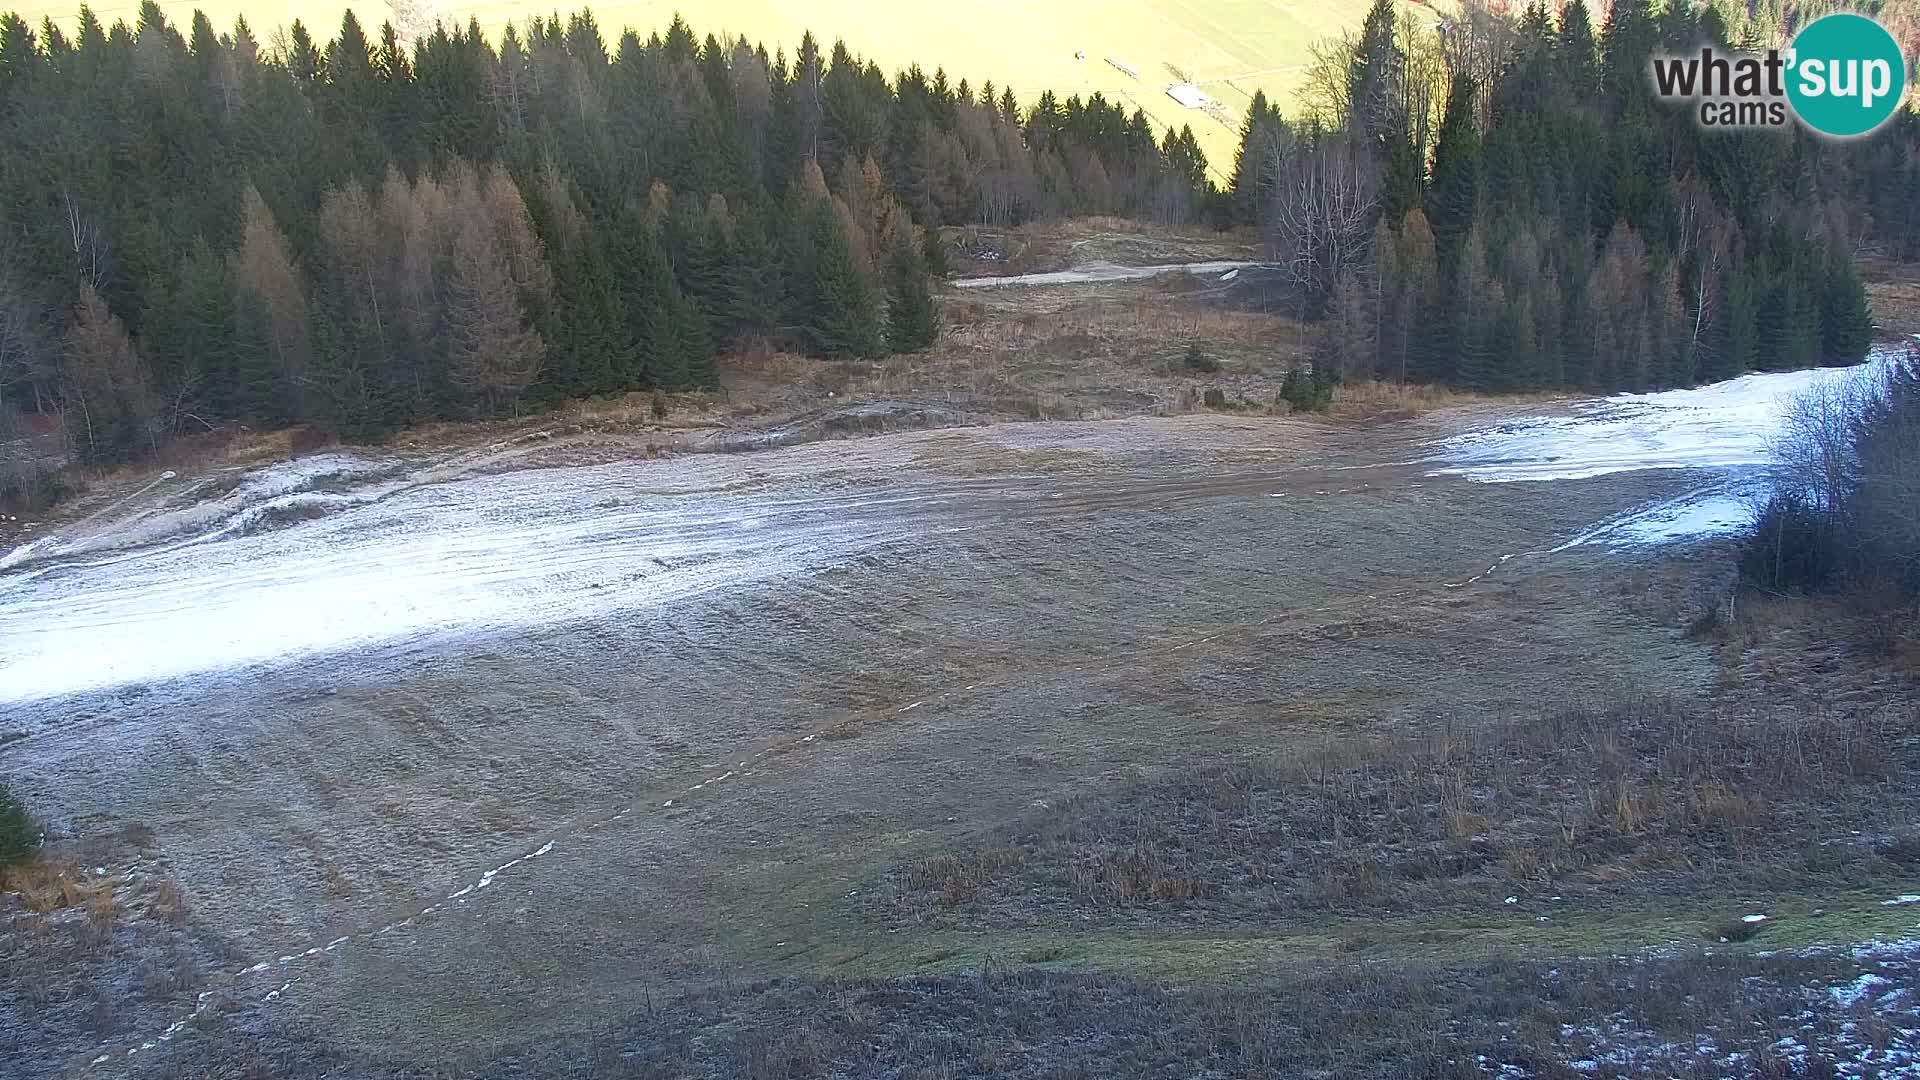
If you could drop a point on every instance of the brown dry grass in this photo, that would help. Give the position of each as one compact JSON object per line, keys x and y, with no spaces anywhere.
{"x":1654,"y":795}
{"x":45,"y":884}
{"x":1693,"y":1014}
{"x":1893,"y":292}
{"x":1048,"y":246}
{"x":1373,"y":399}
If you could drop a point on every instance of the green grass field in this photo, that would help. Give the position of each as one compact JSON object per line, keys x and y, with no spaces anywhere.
{"x":1229,"y":47}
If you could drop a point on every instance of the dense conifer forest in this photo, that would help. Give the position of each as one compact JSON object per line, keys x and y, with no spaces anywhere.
{"x":201,"y":229}
{"x":1503,"y":203}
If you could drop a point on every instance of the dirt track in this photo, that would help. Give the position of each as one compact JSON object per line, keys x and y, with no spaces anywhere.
{"x":731,"y":692}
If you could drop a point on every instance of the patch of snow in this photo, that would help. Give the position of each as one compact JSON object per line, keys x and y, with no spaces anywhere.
{"x":1724,"y":428}
{"x":1753,"y":918}
{"x":1722,"y":425}
{"x":401,"y":559}
{"x":1851,"y":994}
{"x":1092,"y":273}
{"x":1709,"y":511}
{"x":1901,"y":900}
{"x":21,"y":554}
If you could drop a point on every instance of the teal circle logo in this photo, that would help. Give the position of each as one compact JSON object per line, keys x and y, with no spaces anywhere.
{"x":1847,"y":75}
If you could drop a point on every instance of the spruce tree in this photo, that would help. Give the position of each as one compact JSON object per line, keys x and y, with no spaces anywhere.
{"x":19,"y":833}
{"x":933,"y":254}
{"x":1846,"y":322}
{"x":842,"y":321}
{"x":1453,"y":198}
{"x":757,"y":282}
{"x":913,"y":315}
{"x":652,"y":303}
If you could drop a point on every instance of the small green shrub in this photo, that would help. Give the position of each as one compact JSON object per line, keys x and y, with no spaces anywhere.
{"x":1794,"y":546}
{"x":1198,"y":359}
{"x":1308,"y":389}
{"x":19,"y":834}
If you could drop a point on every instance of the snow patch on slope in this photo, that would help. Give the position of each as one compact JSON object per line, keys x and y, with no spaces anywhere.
{"x":260,"y":498}
{"x":1721,"y":426}
{"x":300,"y":572}
{"x":1723,"y":429}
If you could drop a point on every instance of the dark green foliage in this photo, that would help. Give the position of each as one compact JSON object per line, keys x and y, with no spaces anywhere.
{"x":842,"y":319}
{"x":1199,"y":360}
{"x":757,"y":279}
{"x":591,"y":348}
{"x":657,"y":320}
{"x":933,"y":254}
{"x":1453,"y":199}
{"x":1252,"y":164}
{"x":1846,"y":323}
{"x":130,"y":150}
{"x":913,"y":315}
{"x":1308,"y":389}
{"x":1571,"y":229}
{"x":19,"y":835}
{"x":1845,"y":510}
{"x":1794,"y":546}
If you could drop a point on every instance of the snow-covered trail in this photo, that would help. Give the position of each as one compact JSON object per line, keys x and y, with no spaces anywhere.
{"x":371,"y":565}
{"x":1723,"y":430}
{"x":1097,"y":272}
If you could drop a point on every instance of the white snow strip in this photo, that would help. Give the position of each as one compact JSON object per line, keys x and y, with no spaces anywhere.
{"x":1091,"y":273}
{"x":399,"y":560}
{"x":1719,"y":426}
{"x":22,"y":553}
{"x":1901,"y":900}
{"x":1724,"y":428}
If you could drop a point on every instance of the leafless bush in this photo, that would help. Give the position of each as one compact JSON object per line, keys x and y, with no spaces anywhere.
{"x":1845,"y":508}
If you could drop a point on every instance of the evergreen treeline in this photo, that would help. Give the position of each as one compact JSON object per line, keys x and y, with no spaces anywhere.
{"x":198,"y":230}
{"x":1505,"y":205}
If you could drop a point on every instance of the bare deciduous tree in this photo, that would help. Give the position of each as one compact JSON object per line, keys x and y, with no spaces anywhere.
{"x":491,"y":354}
{"x":264,"y":272}
{"x":103,"y":384}
{"x":92,"y":253}
{"x":1323,"y":205}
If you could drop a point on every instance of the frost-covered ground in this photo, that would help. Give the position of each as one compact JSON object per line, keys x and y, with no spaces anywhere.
{"x":518,"y":710}
{"x":1722,"y":430}
{"x":339,"y":550}
{"x":1866,"y":1026}
{"x":278,"y":568}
